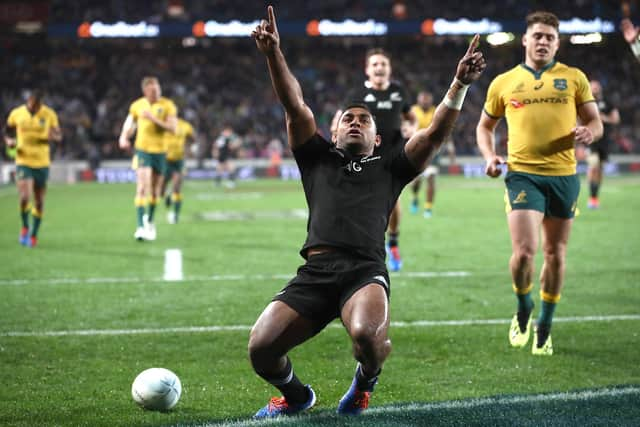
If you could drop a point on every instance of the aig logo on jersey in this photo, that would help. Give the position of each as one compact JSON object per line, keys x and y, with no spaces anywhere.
{"x":356,"y":166}
{"x":353,"y":166}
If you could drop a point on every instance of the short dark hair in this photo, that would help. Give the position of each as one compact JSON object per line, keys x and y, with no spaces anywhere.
{"x":376,"y":51}
{"x":543,"y":17}
{"x":36,"y":93}
{"x":357,"y":104}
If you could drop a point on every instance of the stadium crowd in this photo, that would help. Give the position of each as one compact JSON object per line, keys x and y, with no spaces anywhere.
{"x":220,"y":82}
{"x":157,"y":10}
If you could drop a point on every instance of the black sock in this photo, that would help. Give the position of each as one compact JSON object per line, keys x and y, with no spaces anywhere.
{"x":365,"y":382}
{"x":594,"y":187}
{"x":288,"y":383}
{"x":393,"y":239}
{"x":543,"y":331}
{"x":523,"y":319}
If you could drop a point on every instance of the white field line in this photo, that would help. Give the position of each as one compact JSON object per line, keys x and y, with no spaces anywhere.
{"x":212,"y":278}
{"x":225,"y":328}
{"x":571,"y":396}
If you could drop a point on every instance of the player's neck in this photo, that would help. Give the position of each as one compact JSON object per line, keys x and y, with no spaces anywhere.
{"x":34,"y":108}
{"x":152,"y":99}
{"x":536,"y":65}
{"x":380,"y":86}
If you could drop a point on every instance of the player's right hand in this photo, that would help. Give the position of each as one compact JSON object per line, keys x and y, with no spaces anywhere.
{"x":629,"y":31}
{"x":494,"y":168}
{"x":266,"y":34}
{"x":124,"y":143}
{"x":11,"y":142}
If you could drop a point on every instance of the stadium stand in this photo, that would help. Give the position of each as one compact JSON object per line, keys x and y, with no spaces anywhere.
{"x":217,"y":81}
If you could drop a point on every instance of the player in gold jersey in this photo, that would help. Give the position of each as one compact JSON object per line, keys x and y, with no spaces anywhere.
{"x":549,"y":108}
{"x":29,"y":128}
{"x":154,"y":116}
{"x":175,"y":167}
{"x":424,"y":111}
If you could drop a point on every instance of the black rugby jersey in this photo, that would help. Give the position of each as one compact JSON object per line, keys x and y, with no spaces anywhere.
{"x":387,"y":106}
{"x":350,"y":198}
{"x":605,"y":107}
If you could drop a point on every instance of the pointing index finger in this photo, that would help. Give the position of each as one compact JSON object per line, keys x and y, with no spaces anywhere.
{"x":474,"y":44}
{"x":272,"y":17}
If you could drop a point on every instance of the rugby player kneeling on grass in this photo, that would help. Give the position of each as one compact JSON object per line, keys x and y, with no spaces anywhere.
{"x":350,"y":193}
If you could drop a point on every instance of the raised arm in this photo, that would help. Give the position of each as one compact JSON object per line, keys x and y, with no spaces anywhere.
{"x":425,"y":142}
{"x":631,"y":35}
{"x":301,"y":124}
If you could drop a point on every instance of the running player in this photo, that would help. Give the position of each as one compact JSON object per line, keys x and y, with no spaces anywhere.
{"x":424,"y":111}
{"x":599,"y":150}
{"x":350,"y":191}
{"x":29,"y":129}
{"x":224,"y":148}
{"x":174,"y":172}
{"x":541,"y":100}
{"x":389,"y":103}
{"x":154,"y":116}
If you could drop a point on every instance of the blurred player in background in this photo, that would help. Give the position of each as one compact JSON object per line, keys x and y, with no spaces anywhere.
{"x":350,"y":191}
{"x":389,"y":103}
{"x":29,"y":129}
{"x":599,"y":150}
{"x":423,"y":112}
{"x":154,"y":116}
{"x":224,"y":148}
{"x":632,"y":36}
{"x":541,"y":100}
{"x":176,"y":147}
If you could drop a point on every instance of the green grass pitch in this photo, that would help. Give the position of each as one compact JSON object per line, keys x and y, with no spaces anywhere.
{"x":83,"y":313}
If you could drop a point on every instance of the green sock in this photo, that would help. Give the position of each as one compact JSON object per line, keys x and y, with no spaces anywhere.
{"x":176,"y":208}
{"x":546,"y":314}
{"x":152,"y":210}
{"x":139,"y":215}
{"x":25,"y":218}
{"x":525,"y":303}
{"x":36,"y":225}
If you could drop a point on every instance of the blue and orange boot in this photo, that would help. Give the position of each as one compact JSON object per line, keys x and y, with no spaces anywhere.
{"x":394,"y":262}
{"x":355,"y":400}
{"x":278,"y":406}
{"x":24,"y":236}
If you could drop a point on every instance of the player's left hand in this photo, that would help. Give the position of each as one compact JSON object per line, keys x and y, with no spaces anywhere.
{"x":55,"y":134}
{"x":146,"y":114}
{"x":266,"y":34}
{"x":582,"y":135}
{"x":472,"y":63}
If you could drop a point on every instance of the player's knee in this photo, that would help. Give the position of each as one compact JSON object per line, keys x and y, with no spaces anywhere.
{"x":368,"y":337}
{"x":260,"y":348}
{"x":554,"y":258}
{"x":524,"y":256}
